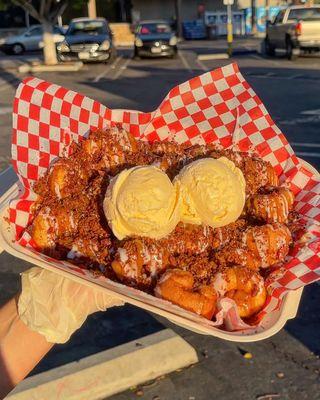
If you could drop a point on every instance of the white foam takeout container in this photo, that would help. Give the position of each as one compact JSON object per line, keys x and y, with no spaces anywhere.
{"x":271,"y":325}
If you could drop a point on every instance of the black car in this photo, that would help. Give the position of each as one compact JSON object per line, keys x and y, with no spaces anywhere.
{"x":87,"y":40}
{"x":155,"y":39}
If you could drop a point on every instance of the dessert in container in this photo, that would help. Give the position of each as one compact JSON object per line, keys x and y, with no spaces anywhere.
{"x":218,"y":107}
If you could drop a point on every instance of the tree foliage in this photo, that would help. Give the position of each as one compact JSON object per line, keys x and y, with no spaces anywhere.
{"x":43,"y":10}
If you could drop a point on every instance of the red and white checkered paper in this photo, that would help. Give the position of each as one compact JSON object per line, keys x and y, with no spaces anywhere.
{"x":218,"y":106}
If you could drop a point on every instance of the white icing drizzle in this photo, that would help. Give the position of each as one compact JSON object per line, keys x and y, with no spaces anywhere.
{"x":123,"y":255}
{"x":57,"y":190}
{"x":220,"y":284}
{"x":71,"y":219}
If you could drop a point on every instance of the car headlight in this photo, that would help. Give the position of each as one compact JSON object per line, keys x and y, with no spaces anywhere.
{"x":173,"y":41}
{"x":105,"y":45}
{"x":63,"y":47}
{"x":138,"y":42}
{"x":2,"y":41}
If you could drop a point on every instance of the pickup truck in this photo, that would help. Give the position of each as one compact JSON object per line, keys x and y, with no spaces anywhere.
{"x":294,"y":29}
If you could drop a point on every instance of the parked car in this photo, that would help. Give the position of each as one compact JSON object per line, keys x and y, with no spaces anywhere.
{"x":88,"y":40}
{"x":29,"y":40}
{"x":154,"y":39}
{"x":295,"y":29}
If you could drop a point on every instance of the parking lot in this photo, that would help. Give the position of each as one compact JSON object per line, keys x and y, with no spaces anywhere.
{"x":285,"y":366}
{"x":142,"y":84}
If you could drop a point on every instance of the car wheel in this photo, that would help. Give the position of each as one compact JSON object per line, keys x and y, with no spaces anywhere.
{"x":290,"y":51}
{"x":17,"y":49}
{"x":269,"y":49}
{"x":174,"y":54}
{"x":113,"y":55}
{"x":136,"y":55}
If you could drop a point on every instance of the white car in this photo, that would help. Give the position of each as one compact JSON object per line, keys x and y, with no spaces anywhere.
{"x":295,"y":29}
{"x":29,"y":40}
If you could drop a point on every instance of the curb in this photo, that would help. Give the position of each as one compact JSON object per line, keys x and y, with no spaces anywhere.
{"x":111,"y":371}
{"x":25,"y":68}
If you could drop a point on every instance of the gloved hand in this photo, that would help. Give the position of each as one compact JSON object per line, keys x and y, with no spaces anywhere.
{"x":55,"y":306}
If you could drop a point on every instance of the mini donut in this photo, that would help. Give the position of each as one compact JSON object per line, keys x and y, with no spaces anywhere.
{"x":66,"y":176}
{"x":139,"y":261}
{"x":92,"y":146}
{"x":43,"y":229}
{"x":244,"y":286}
{"x":237,"y":254}
{"x":258,"y":173}
{"x":269,"y":243}
{"x":272,"y":204}
{"x":272,"y":177}
{"x":177,"y":286}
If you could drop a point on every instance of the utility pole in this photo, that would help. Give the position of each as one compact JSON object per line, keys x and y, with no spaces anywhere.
{"x":178,"y":17}
{"x":253,"y":17}
{"x":267,"y":10}
{"x":229,"y":3}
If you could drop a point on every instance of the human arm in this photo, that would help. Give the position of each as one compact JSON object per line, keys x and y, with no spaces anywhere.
{"x":48,"y":310}
{"x":21,"y":349}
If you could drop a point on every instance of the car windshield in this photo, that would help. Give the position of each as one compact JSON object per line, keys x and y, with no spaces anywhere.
{"x":87,"y":27}
{"x":147,"y":29}
{"x":305,"y":14}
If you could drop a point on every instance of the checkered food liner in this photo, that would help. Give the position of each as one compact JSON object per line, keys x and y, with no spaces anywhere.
{"x":218,"y":106}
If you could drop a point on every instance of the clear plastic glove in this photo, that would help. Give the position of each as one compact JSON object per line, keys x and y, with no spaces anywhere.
{"x":56,"y":306}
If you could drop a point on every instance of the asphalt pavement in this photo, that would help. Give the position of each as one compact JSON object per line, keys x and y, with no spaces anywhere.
{"x":286,"y":366}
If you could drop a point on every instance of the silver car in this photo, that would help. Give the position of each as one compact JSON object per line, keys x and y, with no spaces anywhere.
{"x":29,"y":40}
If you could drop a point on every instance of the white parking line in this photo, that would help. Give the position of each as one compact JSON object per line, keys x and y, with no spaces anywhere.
{"x":185,"y":62}
{"x":202,"y":66}
{"x":5,"y":110}
{"x":5,"y":171}
{"x":311,"y":112}
{"x":301,"y":144}
{"x":307,"y":154}
{"x":265,"y":59}
{"x":214,"y":56}
{"x":121,"y":69}
{"x":104,"y":73}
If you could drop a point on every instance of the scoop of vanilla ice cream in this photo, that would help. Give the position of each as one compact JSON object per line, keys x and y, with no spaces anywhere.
{"x":212,"y":192}
{"x":142,"y":201}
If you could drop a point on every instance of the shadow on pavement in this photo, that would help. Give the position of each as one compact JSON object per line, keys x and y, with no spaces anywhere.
{"x":134,"y":88}
{"x":306,"y":326}
{"x":101,"y":331}
{"x":9,"y":78}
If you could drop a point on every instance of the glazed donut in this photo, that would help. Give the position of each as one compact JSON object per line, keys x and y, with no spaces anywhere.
{"x":93,"y":250}
{"x":244,"y":286}
{"x":269,"y":243}
{"x":43,"y":229}
{"x":177,"y":286}
{"x":225,"y":234}
{"x":163,"y":148}
{"x":271,"y":204}
{"x":259,"y":247}
{"x":139,"y":261}
{"x":237,"y":254}
{"x":65,"y":177}
{"x":188,"y":239}
{"x":108,"y":149}
{"x":272,"y":177}
{"x":258,"y":173}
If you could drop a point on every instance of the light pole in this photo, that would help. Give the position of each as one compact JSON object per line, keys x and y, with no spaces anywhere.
{"x":178,"y":17}
{"x":229,"y":3}
{"x":253,"y":16}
